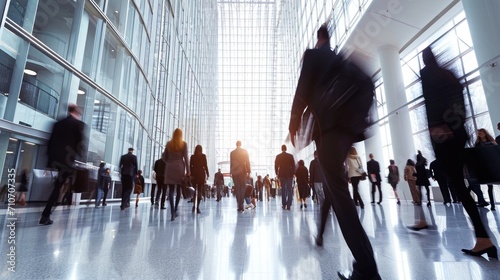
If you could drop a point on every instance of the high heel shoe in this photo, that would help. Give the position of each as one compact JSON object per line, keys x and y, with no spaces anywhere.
{"x":429,"y":204}
{"x":491,"y":251}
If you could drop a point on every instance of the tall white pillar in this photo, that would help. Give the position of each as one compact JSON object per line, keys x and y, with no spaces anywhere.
{"x":403,"y":146}
{"x":484,"y":23}
{"x":373,"y":145}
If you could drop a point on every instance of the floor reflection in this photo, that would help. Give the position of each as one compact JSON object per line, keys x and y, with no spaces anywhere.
{"x":219,"y":243}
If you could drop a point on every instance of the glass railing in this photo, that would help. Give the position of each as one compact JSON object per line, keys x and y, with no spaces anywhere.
{"x":38,"y":98}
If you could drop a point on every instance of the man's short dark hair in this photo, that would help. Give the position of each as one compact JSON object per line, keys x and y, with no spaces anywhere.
{"x":283,"y":148}
{"x":323,"y":32}
{"x":73,"y":108}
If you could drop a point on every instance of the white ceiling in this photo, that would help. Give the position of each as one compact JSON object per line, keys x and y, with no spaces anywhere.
{"x":402,"y":24}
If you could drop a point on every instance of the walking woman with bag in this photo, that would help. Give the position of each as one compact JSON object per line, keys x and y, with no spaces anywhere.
{"x":355,"y":173}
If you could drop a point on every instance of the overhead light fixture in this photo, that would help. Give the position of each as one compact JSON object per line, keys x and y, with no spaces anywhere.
{"x":9,"y":152}
{"x":29,"y":143}
{"x":80,"y":91}
{"x":97,"y":101}
{"x":29,"y":72}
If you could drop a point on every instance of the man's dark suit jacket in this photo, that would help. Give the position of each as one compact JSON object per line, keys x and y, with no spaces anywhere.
{"x":374,"y":168}
{"x":65,"y":143}
{"x":128,"y":164}
{"x":284,"y":165}
{"x":239,"y":162}
{"x":219,"y":178}
{"x":159,"y":168}
{"x":319,"y":67}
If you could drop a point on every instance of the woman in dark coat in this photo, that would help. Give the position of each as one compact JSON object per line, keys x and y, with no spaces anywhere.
{"x":302,"y":183}
{"x":422,"y":177}
{"x":199,"y":174}
{"x":175,"y":156}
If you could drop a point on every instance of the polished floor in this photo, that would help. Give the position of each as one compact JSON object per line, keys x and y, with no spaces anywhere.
{"x":86,"y":242}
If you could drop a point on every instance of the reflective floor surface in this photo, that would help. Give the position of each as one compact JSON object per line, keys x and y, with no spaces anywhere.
{"x":86,"y":242}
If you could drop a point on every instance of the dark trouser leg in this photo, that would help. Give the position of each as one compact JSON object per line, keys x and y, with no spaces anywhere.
{"x":105,"y":194}
{"x":477,"y":190}
{"x":283,"y":192}
{"x":126,"y":190}
{"x":355,"y":192}
{"x":163,"y":189}
{"x":325,"y":210}
{"x":239,"y":189}
{"x":153,"y":194}
{"x":374,"y":185}
{"x":177,"y":196}
{"x":171,"y":189}
{"x":451,"y":152}
{"x":218,"y":187}
{"x":61,"y":178}
{"x":428,"y":193}
{"x":332,"y":151}
{"x":443,"y":187}
{"x":379,"y":187}
{"x":490,"y":195}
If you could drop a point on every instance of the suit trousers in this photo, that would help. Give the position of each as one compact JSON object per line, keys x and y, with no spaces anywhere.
{"x":239,"y":190}
{"x":127,"y":184}
{"x":332,"y":148}
{"x":451,"y":153}
{"x":62,"y":175}
{"x":286,"y":192}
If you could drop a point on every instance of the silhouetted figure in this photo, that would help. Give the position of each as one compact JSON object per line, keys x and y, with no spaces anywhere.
{"x":199,"y":175}
{"x":66,"y":143}
{"x":445,"y":107}
{"x":340,"y":120}
{"x":240,"y":172}
{"x":128,"y":171}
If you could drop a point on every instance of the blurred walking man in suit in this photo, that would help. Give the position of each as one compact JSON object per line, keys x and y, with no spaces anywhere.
{"x":240,"y":171}
{"x":128,"y":170}
{"x":334,"y":132}
{"x":66,"y":143}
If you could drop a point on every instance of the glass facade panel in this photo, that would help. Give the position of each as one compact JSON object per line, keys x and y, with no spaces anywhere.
{"x":116,"y":11}
{"x":54,"y":25}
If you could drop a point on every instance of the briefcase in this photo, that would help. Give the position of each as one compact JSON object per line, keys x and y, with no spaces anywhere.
{"x":81,"y":180}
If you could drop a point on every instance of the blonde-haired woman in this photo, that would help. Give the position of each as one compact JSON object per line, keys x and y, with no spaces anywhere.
{"x":354,"y":173}
{"x":176,"y":160}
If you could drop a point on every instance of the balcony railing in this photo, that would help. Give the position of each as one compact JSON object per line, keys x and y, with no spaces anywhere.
{"x":36,"y":97}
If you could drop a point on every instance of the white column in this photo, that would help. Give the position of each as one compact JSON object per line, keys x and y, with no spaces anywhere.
{"x":399,"y":121}
{"x":373,"y":145}
{"x":484,"y":23}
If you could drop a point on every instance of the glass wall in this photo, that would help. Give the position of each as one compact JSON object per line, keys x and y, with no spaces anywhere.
{"x":113,"y":59}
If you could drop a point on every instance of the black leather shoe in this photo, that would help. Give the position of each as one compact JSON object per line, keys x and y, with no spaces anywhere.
{"x":319,"y":241}
{"x":172,"y":218}
{"x":342,"y":277}
{"x":491,"y":251}
{"x":163,"y":207}
{"x":482,"y":204}
{"x":415,"y":228}
{"x":45,"y":221}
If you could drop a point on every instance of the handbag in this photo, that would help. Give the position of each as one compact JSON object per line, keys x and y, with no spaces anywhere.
{"x":361,"y":171}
